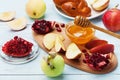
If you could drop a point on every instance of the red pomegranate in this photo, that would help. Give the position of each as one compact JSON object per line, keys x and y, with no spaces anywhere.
{"x":97,"y":61}
{"x":17,"y":47}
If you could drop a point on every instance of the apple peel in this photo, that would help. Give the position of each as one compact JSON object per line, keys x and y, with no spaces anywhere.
{"x":95,"y":43}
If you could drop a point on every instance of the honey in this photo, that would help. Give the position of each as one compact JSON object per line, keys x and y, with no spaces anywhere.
{"x":79,"y":35}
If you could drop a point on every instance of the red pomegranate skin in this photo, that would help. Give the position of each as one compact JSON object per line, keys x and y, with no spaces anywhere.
{"x":111,"y":19}
{"x":17,"y":47}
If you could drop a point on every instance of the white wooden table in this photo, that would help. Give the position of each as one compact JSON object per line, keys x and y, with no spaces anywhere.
{"x":32,"y":70}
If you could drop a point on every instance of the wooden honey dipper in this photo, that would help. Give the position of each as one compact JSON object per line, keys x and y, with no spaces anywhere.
{"x":83,"y":22}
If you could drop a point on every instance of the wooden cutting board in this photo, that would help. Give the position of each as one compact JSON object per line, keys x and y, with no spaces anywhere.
{"x":79,"y":64}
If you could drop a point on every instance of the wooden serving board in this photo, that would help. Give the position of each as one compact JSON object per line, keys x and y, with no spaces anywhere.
{"x":79,"y":64}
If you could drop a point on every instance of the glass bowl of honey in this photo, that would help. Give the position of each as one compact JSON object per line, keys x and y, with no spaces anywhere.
{"x":78,"y":34}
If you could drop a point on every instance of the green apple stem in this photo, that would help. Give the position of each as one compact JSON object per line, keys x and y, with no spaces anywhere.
{"x":49,"y":58}
{"x":50,"y":65}
{"x":116,"y":5}
{"x":34,"y":13}
{"x":52,"y":54}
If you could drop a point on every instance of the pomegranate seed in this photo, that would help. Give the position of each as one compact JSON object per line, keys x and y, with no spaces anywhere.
{"x":57,"y":25}
{"x":58,"y":29}
{"x":84,"y":50}
{"x":62,"y":25}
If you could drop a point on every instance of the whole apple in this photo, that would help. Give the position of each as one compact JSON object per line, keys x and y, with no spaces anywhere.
{"x":111,"y":19}
{"x":53,"y":66}
{"x":35,"y":8}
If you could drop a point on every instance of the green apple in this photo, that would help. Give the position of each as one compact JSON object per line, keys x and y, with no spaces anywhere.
{"x":35,"y":8}
{"x":52,"y":66}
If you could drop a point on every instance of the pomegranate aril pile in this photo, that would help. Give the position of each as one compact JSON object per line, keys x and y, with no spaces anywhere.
{"x":17,"y":47}
{"x":96,"y":61}
{"x":44,"y":26}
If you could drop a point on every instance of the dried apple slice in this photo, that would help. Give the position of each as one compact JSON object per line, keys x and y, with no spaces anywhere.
{"x":49,"y":40}
{"x":7,"y":16}
{"x":59,"y":46}
{"x":18,"y":24}
{"x":73,"y":52}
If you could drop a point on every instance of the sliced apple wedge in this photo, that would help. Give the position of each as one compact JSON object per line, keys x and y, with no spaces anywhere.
{"x":100,"y":5}
{"x":7,"y":16}
{"x":49,"y":40}
{"x":59,"y":46}
{"x":61,"y":37}
{"x":103,"y":49}
{"x":73,"y":52}
{"x":18,"y":24}
{"x":95,"y":43}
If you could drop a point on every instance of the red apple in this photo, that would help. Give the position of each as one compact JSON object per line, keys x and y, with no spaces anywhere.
{"x":111,"y":19}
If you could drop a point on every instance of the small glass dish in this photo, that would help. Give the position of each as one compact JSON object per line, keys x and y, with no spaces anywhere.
{"x":20,"y":60}
{"x":79,"y":35}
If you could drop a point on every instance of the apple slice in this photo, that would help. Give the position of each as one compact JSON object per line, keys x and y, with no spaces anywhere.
{"x":73,"y":52}
{"x":49,"y":40}
{"x":59,"y":46}
{"x":61,"y":37}
{"x":18,"y":24}
{"x":91,"y":1}
{"x":100,"y":5}
{"x":103,"y":49}
{"x":95,"y":43}
{"x":7,"y":16}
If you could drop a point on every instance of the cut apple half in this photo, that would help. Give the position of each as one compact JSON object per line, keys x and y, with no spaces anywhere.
{"x":73,"y":52}
{"x":18,"y":24}
{"x":59,"y":46}
{"x":7,"y":16}
{"x":49,"y":40}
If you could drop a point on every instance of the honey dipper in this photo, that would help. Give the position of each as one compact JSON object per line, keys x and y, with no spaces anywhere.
{"x":83,"y":22}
